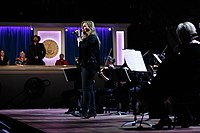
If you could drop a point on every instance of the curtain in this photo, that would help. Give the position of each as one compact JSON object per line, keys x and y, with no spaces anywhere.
{"x":14,"y":39}
{"x":71,"y":47}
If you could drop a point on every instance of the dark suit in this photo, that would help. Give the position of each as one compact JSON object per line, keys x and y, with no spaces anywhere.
{"x":34,"y":51}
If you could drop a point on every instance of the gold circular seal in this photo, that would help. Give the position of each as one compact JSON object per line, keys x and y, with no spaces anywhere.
{"x":51,"y":48}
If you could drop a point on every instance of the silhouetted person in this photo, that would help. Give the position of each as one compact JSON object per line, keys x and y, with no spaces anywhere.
{"x":178,"y":78}
{"x":4,"y":59}
{"x":36,"y":52}
{"x":119,"y":90}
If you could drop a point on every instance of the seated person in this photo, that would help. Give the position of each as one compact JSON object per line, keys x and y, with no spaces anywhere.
{"x":184,"y":100}
{"x":119,"y":89}
{"x":72,"y":100}
{"x":109,"y":64}
{"x":4,"y":59}
{"x":61,"y":61}
{"x":21,"y":60}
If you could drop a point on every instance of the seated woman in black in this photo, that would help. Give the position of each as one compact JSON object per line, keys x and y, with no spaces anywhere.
{"x":4,"y":59}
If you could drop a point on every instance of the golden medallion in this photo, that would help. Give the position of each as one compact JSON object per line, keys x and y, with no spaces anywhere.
{"x":51,"y":48}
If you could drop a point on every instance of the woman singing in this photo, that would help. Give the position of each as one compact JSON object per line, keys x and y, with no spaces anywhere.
{"x":89,"y":54}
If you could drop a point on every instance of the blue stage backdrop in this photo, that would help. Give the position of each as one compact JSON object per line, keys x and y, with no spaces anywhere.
{"x":71,"y":47}
{"x":14,"y":39}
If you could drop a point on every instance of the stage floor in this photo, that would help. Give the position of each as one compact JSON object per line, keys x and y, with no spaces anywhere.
{"x":56,"y":121}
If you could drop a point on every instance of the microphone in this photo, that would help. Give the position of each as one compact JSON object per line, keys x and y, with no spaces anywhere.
{"x":77,"y":32}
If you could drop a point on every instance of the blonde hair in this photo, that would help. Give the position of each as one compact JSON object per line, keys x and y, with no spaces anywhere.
{"x":92,"y":28}
{"x":90,"y":25}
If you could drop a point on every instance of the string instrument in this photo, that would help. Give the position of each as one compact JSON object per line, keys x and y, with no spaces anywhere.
{"x":105,"y":66}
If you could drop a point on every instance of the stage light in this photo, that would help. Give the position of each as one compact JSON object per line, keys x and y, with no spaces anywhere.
{"x":120,"y":47}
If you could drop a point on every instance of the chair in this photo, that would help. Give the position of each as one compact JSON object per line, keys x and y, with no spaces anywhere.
{"x":110,"y":101}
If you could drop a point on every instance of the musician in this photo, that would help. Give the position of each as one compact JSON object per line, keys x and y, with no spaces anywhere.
{"x":119,"y":89}
{"x":181,"y":69}
{"x":89,"y":58}
{"x":189,"y":61}
{"x":109,"y":64}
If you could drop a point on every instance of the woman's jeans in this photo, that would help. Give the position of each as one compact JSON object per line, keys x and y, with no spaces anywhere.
{"x":88,"y":88}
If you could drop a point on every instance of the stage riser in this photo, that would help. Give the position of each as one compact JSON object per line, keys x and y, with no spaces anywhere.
{"x":12,"y":93}
{"x":13,"y":82}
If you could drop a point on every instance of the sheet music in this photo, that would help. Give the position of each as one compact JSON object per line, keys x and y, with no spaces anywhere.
{"x":134,"y":60}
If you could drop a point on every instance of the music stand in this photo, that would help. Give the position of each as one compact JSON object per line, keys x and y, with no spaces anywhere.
{"x":118,"y":75}
{"x":74,"y":75}
{"x":135,"y":63}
